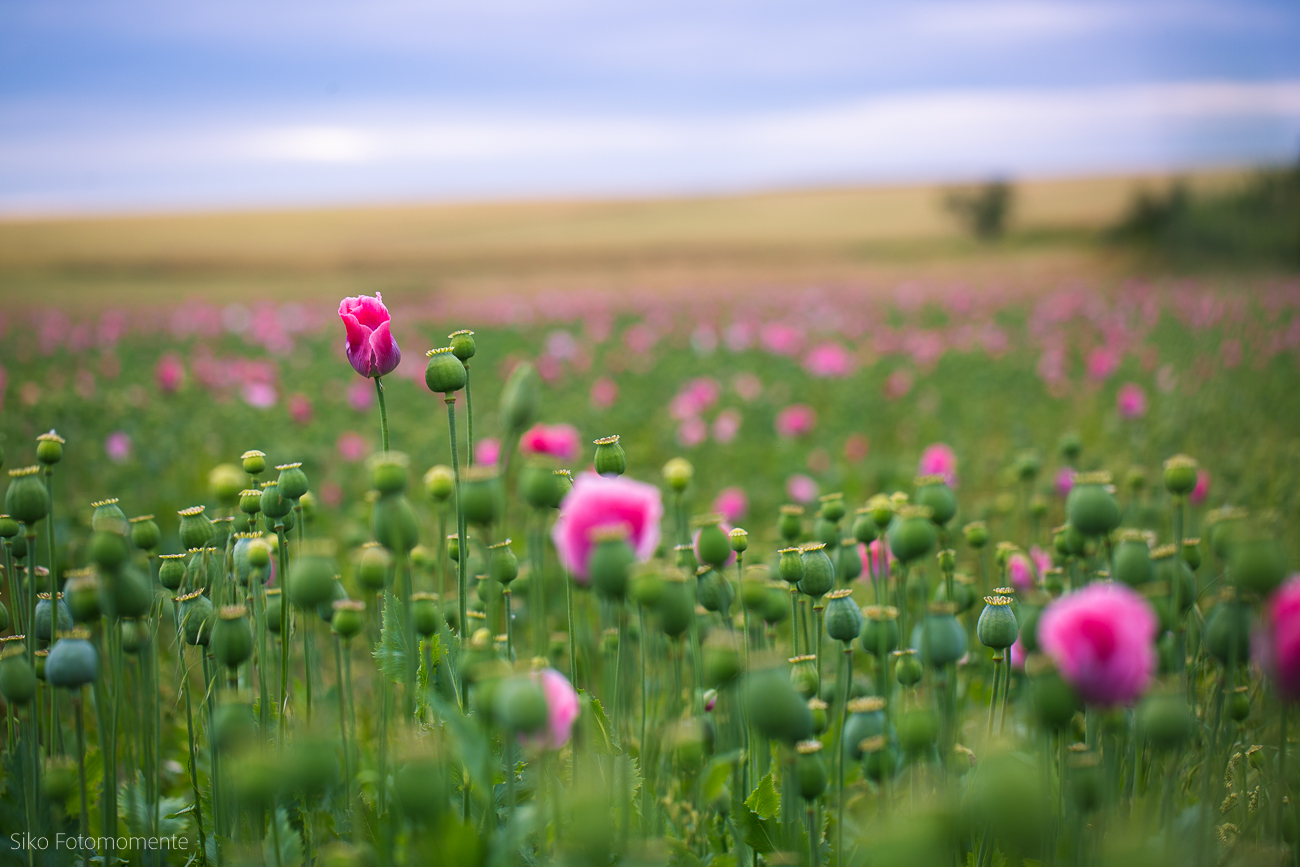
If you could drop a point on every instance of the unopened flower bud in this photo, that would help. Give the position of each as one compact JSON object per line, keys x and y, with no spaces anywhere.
{"x":678,"y":473}
{"x":520,"y":398}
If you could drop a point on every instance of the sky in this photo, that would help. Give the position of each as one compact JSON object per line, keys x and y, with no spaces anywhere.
{"x":149,"y":105}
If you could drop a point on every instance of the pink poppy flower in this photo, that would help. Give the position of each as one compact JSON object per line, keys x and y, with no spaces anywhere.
{"x":748,"y":386}
{"x":877,"y":551}
{"x":796,"y":420}
{"x":898,"y":384}
{"x":731,"y":504}
{"x":1131,"y":401}
{"x":1102,"y":362}
{"x":300,"y":408}
{"x":370,"y":346}
{"x":801,"y":488}
{"x":487,"y":452}
{"x":939,"y":459}
{"x":562,"y":708}
{"x":781,"y":339}
{"x":1021,"y":572}
{"x":828,"y":360}
{"x":118,"y":447}
{"x":1276,"y":645}
{"x":604,"y":392}
{"x":1102,"y":639}
{"x":261,"y":395}
{"x":1202,"y":489}
{"x":1042,"y":559}
{"x":692,"y":432}
{"x":597,"y":502}
{"x":856,"y":448}
{"x":352,"y":447}
{"x":1064,"y":481}
{"x":169,"y":373}
{"x":1018,"y":655}
{"x":560,"y":441}
{"x":726,"y":425}
{"x":361,"y":395}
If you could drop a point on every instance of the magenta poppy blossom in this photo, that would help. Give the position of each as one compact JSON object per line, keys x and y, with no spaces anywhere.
{"x":598,"y":502}
{"x":604,"y":392}
{"x":352,"y":447}
{"x":370,"y":346}
{"x":828,"y":360}
{"x":1202,"y":489}
{"x":361,"y":395}
{"x":562,"y":707}
{"x":1021,"y":572}
{"x":939,"y":459}
{"x":300,"y":408}
{"x":726,"y":425}
{"x":731,"y":504}
{"x":1276,"y":646}
{"x":796,"y":420}
{"x":1064,"y":481}
{"x":1102,"y":639}
{"x":801,"y":488}
{"x":1131,"y":401}
{"x":118,"y":447}
{"x":873,"y":558}
{"x":169,"y":373}
{"x":692,"y":432}
{"x":560,"y":441}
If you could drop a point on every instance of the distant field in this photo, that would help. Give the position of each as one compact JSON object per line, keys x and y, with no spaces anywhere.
{"x":864,"y":235}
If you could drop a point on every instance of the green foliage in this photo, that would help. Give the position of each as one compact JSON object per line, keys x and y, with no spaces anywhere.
{"x":390,"y":651}
{"x":982,"y":211}
{"x":290,"y":852}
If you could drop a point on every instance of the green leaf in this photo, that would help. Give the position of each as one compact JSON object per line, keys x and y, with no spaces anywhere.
{"x":765,"y":800}
{"x":290,"y":842}
{"x":390,"y":652}
{"x":760,"y":834}
{"x":715,"y":777}
{"x":603,"y":740}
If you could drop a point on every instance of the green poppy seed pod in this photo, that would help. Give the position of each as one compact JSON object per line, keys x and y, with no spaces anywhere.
{"x":826,"y":532}
{"x":918,"y":730}
{"x":108,"y":550}
{"x":1170,"y":569}
{"x":145,"y":534}
{"x":537,"y":484}
{"x":251,"y":556}
{"x":790,"y":523}
{"x":1055,"y":701}
{"x":674,"y":611}
{"x":963,"y":598}
{"x":1027,"y":465}
{"x":9,"y":528}
{"x":818,"y":571}
{"x":1070,"y":446}
{"x":610,"y":458}
{"x":712,"y":545}
{"x":225,"y":482}
{"x":250,"y":501}
{"x":232,"y":639}
{"x":879,"y":635}
{"x":1180,"y":475}
{"x":882,"y":511}
{"x":349,"y":617}
{"x":848,"y":561}
{"x":776,"y":605}
{"x":912,"y":535}
{"x":864,"y":530}
{"x":389,"y":472}
{"x":775,"y":709}
{"x":44,"y":614}
{"x":721,"y":661}
{"x":39,"y":661}
{"x":311,"y":578}
{"x":1087,"y":782}
{"x":739,"y":540}
{"x":325,"y":610}
{"x":810,"y":770}
{"x":481,"y":496}
{"x":82,"y":595}
{"x":292,"y":481}
{"x":1131,"y":562}
{"x":610,"y":562}
{"x":108,"y":517}
{"x":453,"y":547}
{"x":376,"y":566}
{"x":72,"y":663}
{"x":197,"y":618}
{"x":939,"y":638}
{"x":274,"y":603}
{"x":976,"y":534}
{"x":947,"y":559}
{"x":997,"y":626}
{"x":519,"y":704}
{"x":394,"y":524}
{"x":462,"y":344}
{"x":1239,"y":705}
{"x":1165,"y":721}
{"x":790,"y":566}
{"x":134,"y":635}
{"x":445,"y":373}
{"x":821,"y":721}
{"x":678,"y":473}
{"x":803,"y":675}
{"x":713,"y":592}
{"x":1090,"y":506}
{"x":503,"y":565}
{"x":424,"y":613}
{"x":49,"y":448}
{"x":520,"y":397}
{"x":253,"y":461}
{"x":58,"y":778}
{"x":196,"y":528}
{"x":1257,"y":565}
{"x":1192,"y":553}
{"x":1070,"y":541}
{"x":563,"y":484}
{"x":833,"y":508}
{"x":26,"y":499}
{"x":421,"y":790}
{"x":17,"y":680}
{"x":866,"y":720}
{"x":879,"y":759}
{"x":232,"y":725}
{"x":933,"y":493}
{"x":171,"y":570}
{"x":440,"y":483}
{"x":1135,"y":479}
{"x":1227,"y":526}
{"x":646,"y":589}
{"x":1228,"y":627}
{"x":843,"y":616}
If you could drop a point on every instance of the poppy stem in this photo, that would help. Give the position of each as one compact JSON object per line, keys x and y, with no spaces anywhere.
{"x":383,"y":410}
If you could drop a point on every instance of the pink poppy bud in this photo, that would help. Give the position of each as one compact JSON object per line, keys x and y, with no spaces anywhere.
{"x":370,"y":346}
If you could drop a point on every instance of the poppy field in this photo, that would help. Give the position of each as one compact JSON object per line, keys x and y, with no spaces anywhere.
{"x":949,"y":574}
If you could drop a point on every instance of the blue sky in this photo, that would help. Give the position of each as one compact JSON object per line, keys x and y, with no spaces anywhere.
{"x":110,"y":105}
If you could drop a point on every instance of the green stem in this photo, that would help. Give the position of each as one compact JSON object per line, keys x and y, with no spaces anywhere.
{"x":343,"y":724}
{"x":194,"y":763}
{"x":462,"y":581}
{"x":839,"y":779}
{"x":383,"y":411}
{"x":1281,"y":773}
{"x":573,"y":644}
{"x":84,"y":821}
{"x":284,"y":628}
{"x":469,"y":421}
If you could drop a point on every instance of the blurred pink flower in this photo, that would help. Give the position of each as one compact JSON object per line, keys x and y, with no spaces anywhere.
{"x":118,"y":447}
{"x":856,"y":448}
{"x":1042,"y":559}
{"x":352,"y":447}
{"x":1021,"y":572}
{"x":801,"y":488}
{"x":370,"y":346}
{"x":828,"y":360}
{"x":694,"y":398}
{"x":300,"y":408}
{"x":1018,"y":655}
{"x":898,"y":384}
{"x":748,"y":386}
{"x":562,"y":708}
{"x":1103,"y":362}
{"x":604,"y":392}
{"x":597,"y":502}
{"x":796,"y":420}
{"x":781,"y":339}
{"x":487,"y":452}
{"x":169,"y":373}
{"x":726,"y":425}
{"x":1131,"y":401}
{"x":1064,"y":481}
{"x":939,"y":459}
{"x":331,"y":494}
{"x":878,"y":552}
{"x":260,"y":395}
{"x":1276,"y":644}
{"x":361,"y":395}
{"x":560,"y":441}
{"x":1202,"y":489}
{"x":731,"y":504}
{"x":692,"y":432}
{"x":640,"y":338}
{"x":1102,"y":639}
